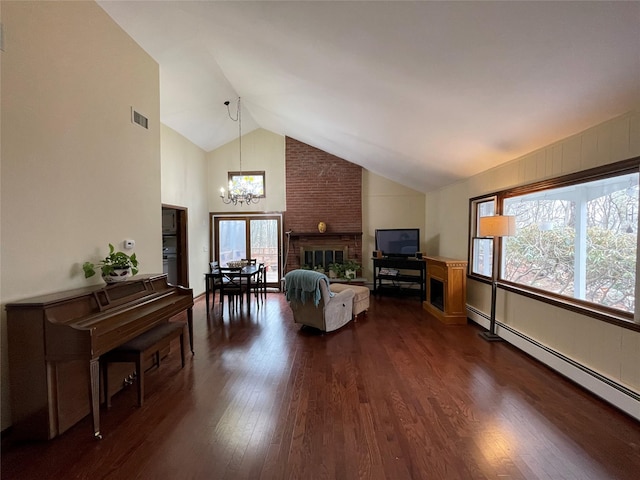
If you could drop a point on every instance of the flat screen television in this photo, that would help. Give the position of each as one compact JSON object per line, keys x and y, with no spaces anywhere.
{"x":398,"y":242}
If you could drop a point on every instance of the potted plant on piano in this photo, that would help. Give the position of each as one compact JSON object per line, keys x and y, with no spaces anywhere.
{"x":115,"y":267}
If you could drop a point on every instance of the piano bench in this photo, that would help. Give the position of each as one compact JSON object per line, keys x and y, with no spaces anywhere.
{"x":136,"y":350}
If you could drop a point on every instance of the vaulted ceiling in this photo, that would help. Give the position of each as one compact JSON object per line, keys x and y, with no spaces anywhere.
{"x":423,"y":93}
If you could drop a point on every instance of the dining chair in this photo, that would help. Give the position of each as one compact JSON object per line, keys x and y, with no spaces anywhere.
{"x":250,"y":261}
{"x":216,"y":280}
{"x":234,"y":288}
{"x":258,"y":285}
{"x":259,"y":288}
{"x":226,"y":285}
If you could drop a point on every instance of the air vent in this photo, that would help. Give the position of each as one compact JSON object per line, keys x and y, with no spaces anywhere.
{"x":137,"y":117}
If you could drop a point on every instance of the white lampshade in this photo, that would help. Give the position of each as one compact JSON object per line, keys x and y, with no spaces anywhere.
{"x":497,"y":226}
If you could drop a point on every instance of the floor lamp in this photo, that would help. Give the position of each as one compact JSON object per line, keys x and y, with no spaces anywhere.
{"x":496,"y":227}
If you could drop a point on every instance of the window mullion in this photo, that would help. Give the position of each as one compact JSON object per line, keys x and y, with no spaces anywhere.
{"x":580,"y":245}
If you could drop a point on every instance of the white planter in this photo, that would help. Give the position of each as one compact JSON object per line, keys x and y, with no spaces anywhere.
{"x":118,"y":275}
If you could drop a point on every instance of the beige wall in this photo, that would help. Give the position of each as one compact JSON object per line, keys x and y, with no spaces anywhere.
{"x":386,"y":204}
{"x":76,"y":173}
{"x":602,"y":347}
{"x":184,"y":184}
{"x":447,"y":222}
{"x":261,"y":150}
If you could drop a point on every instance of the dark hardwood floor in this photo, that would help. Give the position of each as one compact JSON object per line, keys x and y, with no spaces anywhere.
{"x":395,"y":395}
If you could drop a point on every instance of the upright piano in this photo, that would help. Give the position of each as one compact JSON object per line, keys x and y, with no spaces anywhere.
{"x":55,"y":343}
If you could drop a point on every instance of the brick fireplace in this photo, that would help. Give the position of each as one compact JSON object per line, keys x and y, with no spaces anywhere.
{"x":321,"y":188}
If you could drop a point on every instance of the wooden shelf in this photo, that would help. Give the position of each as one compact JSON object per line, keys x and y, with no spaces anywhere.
{"x":325,"y":234}
{"x":402,"y":283}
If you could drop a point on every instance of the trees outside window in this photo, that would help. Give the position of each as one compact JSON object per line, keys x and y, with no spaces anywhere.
{"x":577,"y":241}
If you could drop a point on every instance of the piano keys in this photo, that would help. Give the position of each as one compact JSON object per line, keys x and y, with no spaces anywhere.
{"x":55,"y":343}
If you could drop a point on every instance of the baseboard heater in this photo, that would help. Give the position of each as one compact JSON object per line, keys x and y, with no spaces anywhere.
{"x":607,"y":389}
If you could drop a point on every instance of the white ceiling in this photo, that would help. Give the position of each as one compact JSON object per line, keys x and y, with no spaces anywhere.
{"x":423,"y":93}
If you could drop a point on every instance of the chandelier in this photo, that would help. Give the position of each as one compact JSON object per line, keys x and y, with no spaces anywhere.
{"x":240,"y":188}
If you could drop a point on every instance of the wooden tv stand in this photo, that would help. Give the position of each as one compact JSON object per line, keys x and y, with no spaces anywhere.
{"x":399,"y":282}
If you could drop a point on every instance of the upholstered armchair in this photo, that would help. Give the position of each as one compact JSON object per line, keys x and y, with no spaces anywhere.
{"x":313,"y":303}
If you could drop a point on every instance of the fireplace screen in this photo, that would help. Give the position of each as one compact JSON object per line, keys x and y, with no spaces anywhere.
{"x":321,"y":257}
{"x":436,"y":295}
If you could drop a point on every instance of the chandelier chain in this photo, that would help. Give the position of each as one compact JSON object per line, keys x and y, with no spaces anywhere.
{"x":239,"y":115}
{"x":240,"y":193}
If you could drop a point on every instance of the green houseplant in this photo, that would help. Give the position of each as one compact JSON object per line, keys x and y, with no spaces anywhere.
{"x":336,"y":270}
{"x":351,"y":268}
{"x":115,"y":267}
{"x":346,"y":270}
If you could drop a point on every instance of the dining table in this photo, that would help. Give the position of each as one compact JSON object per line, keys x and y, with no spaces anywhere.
{"x":247,"y":272}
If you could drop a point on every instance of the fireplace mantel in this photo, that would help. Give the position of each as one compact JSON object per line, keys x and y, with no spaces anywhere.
{"x":325,"y":234}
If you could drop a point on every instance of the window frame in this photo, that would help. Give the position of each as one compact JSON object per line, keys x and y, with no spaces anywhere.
{"x":214,"y":240}
{"x":618,"y":317}
{"x":473,"y":229}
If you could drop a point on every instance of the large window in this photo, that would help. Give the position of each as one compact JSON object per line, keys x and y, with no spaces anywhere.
{"x":576,"y":239}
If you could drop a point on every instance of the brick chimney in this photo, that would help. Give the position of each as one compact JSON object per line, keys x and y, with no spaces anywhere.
{"x":321,"y":188}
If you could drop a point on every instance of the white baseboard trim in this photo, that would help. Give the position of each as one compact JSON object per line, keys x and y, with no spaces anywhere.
{"x":609,"y":390}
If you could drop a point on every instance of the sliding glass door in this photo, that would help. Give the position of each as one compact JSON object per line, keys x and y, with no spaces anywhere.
{"x":250,"y":236}
{"x":264,"y":234}
{"x":232,"y":244}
